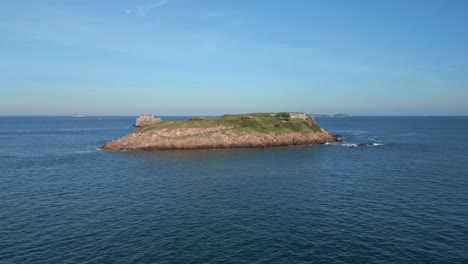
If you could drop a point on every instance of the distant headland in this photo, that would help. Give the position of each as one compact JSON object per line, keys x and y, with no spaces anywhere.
{"x":255,"y":130}
{"x":85,"y":116}
{"x":327,"y":115}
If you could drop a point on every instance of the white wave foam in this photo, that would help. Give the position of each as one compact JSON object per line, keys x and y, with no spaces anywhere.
{"x":355,"y":145}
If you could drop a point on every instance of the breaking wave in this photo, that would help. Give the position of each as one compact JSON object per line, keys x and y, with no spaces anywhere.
{"x":356,"y":145}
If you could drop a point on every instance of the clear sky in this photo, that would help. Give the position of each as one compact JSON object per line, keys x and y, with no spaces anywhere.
{"x":209,"y":57}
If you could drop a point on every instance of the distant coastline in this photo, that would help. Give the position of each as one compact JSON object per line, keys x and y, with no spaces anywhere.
{"x":85,"y":116}
{"x":328,"y":115}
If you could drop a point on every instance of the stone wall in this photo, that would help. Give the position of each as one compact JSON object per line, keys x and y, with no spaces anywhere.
{"x":298,"y":115}
{"x":146,"y":120}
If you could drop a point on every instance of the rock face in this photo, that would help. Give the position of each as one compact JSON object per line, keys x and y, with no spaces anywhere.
{"x":230,"y":131}
{"x":146,"y":120}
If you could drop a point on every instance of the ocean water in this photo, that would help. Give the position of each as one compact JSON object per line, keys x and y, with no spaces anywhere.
{"x":402,"y":200}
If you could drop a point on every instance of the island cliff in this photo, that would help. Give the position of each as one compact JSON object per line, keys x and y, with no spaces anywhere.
{"x":228,"y":131}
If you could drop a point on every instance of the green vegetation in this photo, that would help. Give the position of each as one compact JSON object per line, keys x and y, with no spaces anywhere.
{"x":283,"y":115}
{"x":257,"y":122}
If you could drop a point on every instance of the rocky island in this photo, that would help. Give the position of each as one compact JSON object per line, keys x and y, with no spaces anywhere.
{"x":254,"y":130}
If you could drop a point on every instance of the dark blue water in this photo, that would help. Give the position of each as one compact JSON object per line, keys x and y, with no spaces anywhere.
{"x":405,"y":201}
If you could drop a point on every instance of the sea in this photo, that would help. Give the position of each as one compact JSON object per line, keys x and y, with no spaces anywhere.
{"x":401,"y":198}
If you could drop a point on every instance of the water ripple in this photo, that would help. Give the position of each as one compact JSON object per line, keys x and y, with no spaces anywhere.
{"x":62,"y":201}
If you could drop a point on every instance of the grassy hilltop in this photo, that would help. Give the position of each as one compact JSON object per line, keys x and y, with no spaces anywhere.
{"x":257,"y":122}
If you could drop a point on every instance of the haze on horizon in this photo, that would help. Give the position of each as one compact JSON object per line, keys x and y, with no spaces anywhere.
{"x":209,"y":57}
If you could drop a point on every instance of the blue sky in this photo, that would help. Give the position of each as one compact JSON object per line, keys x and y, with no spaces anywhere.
{"x":209,"y":57}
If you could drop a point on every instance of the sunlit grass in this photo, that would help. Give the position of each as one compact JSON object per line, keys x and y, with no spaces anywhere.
{"x":256,"y":122}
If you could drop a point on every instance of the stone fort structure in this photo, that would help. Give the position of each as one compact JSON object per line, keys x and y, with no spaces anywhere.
{"x":146,"y":120}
